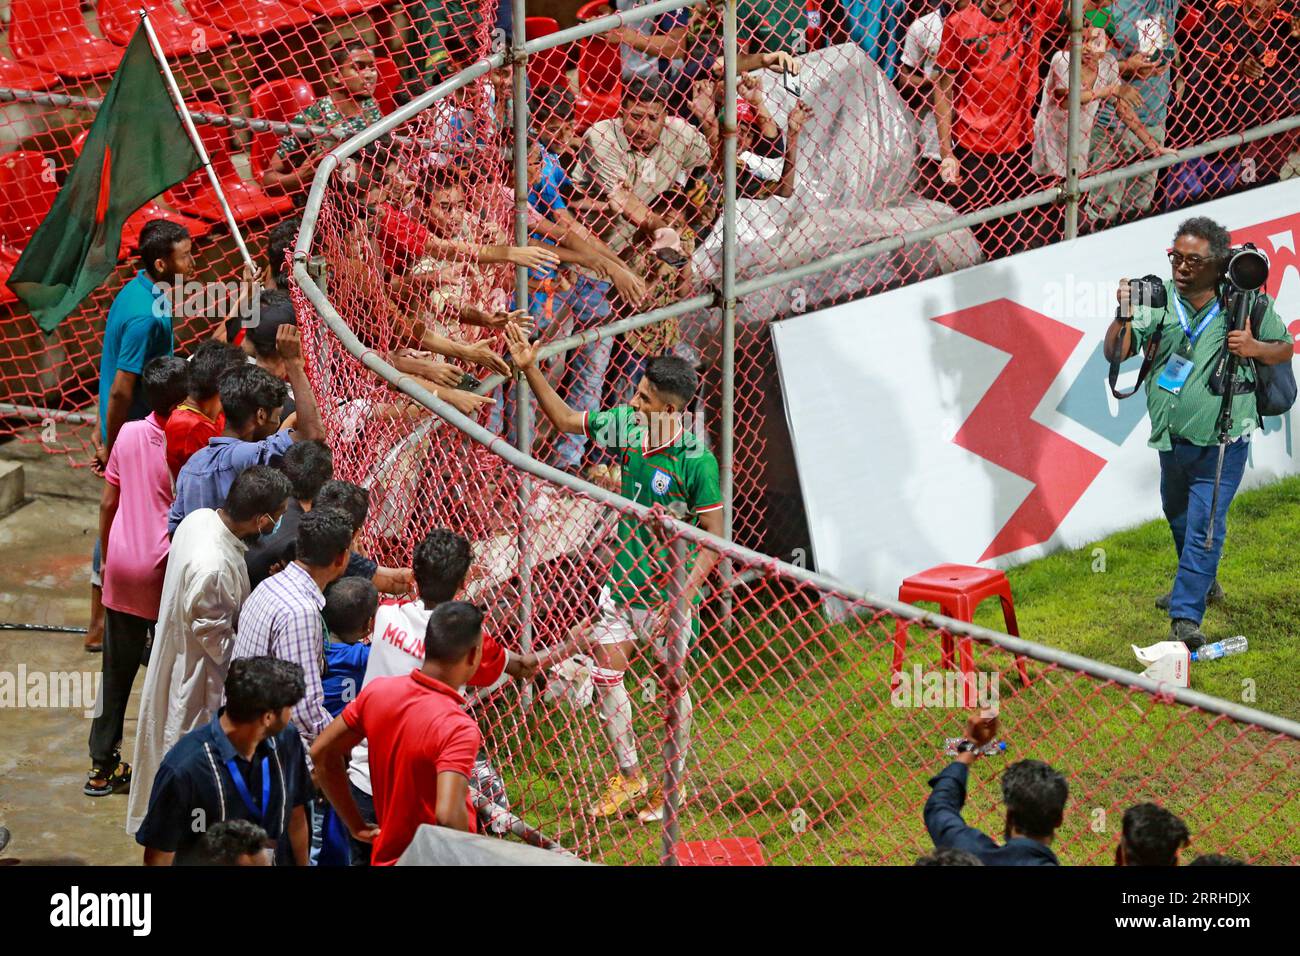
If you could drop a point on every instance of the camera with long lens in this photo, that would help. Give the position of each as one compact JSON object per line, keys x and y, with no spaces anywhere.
{"x":1247,"y":269}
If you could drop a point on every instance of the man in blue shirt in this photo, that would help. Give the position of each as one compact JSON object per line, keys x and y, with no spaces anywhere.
{"x":246,"y":764}
{"x":138,"y":330}
{"x":1033,"y":792}
{"x":251,"y":399}
{"x":1144,"y":44}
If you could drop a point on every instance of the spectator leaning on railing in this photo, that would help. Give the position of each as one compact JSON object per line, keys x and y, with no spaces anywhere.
{"x":1144,"y":38}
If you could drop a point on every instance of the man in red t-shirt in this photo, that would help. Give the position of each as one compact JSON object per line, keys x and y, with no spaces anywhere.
{"x":199,"y":417}
{"x":422,"y":743}
{"x":983,"y":105}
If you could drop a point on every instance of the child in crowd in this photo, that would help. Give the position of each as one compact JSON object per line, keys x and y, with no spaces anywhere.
{"x":349,"y":612}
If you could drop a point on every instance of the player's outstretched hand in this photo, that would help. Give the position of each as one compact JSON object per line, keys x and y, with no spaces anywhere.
{"x":522,"y":352}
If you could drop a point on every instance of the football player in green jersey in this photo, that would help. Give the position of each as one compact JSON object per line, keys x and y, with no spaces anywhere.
{"x":665,"y":463}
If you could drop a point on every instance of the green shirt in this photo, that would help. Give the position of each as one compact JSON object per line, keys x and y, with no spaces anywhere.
{"x":1193,"y":414}
{"x":681,"y":475}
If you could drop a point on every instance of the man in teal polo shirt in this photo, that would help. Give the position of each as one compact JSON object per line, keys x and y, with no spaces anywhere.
{"x":662,"y":463}
{"x":1185,"y":412}
{"x":138,"y":330}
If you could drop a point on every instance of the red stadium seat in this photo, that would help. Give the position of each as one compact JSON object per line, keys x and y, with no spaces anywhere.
{"x":118,"y":19}
{"x":599,"y":63}
{"x":545,"y":68}
{"x":249,"y":18}
{"x":51,"y":35}
{"x":958,"y":589}
{"x":340,"y":8}
{"x":8,"y":259}
{"x":390,"y":82}
{"x":27,"y":190}
{"x":22,"y":76}
{"x":600,"y":84}
{"x":279,"y":101}
{"x":136,"y":222}
{"x":196,"y":197}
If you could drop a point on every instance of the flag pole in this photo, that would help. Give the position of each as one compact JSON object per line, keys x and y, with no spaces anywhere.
{"x":197,"y":142}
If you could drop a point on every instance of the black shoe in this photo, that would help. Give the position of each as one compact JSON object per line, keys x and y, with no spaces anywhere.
{"x":1214,"y":597}
{"x":1189,"y":632}
{"x":116,"y":781}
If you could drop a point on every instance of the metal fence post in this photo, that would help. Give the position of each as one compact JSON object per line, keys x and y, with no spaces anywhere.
{"x":675,"y":685}
{"x":523,"y":398}
{"x":727,"y":465}
{"x":1073,"y":145}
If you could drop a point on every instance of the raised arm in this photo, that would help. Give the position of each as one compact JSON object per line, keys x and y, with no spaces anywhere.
{"x":563,"y":417}
{"x":308,"y":426}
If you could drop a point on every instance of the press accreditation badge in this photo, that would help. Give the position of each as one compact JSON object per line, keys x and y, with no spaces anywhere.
{"x":1175,"y":375}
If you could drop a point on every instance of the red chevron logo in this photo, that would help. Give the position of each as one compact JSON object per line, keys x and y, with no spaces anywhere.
{"x":1001,"y":430}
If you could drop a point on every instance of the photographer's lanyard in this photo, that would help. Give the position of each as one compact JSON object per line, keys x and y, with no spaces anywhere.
{"x":1187,"y":325}
{"x":1179,"y":367}
{"x":257,"y":813}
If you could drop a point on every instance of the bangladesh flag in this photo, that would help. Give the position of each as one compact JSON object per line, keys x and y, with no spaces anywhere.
{"x":136,"y":149}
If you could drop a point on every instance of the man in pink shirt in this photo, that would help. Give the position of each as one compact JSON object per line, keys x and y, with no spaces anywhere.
{"x":138,"y":490}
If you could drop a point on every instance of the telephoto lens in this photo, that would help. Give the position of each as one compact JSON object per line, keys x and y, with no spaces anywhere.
{"x":1247,"y":268}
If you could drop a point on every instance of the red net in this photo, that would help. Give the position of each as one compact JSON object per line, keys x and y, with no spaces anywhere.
{"x":794,"y":740}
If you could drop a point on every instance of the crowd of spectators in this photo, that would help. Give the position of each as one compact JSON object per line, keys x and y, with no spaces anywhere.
{"x":231,"y":556}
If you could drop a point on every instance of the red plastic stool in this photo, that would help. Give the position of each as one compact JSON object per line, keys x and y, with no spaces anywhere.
{"x":958,"y":589}
{"x":735,"y":851}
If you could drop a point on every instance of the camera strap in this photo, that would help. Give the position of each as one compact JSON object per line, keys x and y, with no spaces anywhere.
{"x":1148,"y":357}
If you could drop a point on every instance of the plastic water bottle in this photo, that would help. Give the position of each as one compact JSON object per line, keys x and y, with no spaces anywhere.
{"x":1223,"y":648}
{"x":994,"y":748}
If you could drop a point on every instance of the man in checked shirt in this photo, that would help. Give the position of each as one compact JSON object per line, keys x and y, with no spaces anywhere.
{"x":282,"y":617}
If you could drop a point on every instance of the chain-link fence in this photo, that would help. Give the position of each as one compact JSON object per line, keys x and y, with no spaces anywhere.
{"x":716,"y":167}
{"x":764,"y":707}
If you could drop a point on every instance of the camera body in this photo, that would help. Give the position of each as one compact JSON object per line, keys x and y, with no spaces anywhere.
{"x":1148,"y":292}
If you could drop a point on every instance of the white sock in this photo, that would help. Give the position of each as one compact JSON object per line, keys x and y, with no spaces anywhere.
{"x":616,"y":714}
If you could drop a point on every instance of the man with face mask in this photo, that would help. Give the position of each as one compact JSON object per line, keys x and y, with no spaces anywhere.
{"x":247,"y":763}
{"x":252,"y":401}
{"x":205,"y":584}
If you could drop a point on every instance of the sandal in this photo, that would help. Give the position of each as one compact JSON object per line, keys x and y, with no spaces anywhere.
{"x":115,"y":782}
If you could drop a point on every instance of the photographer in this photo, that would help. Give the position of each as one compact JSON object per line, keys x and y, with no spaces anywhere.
{"x":1191,"y":333}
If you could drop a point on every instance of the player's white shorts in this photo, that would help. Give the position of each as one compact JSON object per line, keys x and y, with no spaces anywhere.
{"x":615,"y":625}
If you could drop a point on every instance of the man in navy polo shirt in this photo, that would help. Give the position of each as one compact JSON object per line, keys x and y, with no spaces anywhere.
{"x":247,"y":764}
{"x":1035,"y":795}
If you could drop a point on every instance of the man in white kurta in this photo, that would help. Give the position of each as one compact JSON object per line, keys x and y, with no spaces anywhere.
{"x":205,"y":585}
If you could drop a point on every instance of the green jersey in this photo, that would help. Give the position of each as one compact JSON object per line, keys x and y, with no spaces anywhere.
{"x":681,"y":475}
{"x":1193,"y":413}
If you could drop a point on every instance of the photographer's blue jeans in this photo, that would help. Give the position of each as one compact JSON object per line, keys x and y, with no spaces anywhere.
{"x":1186,"y":490}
